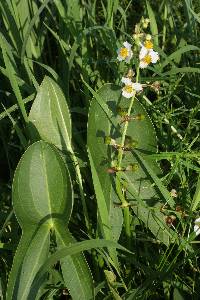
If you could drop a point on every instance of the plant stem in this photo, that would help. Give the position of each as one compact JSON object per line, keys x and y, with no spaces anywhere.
{"x":118,"y":175}
{"x":120,"y":154}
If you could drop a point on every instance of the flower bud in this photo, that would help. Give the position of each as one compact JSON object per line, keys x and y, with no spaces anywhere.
{"x":155,"y":86}
{"x":174,"y":193}
{"x":109,"y":141}
{"x":132,"y":167}
{"x":148,"y":37}
{"x":130,"y":73}
{"x":145,"y":23}
{"x":170,"y":220}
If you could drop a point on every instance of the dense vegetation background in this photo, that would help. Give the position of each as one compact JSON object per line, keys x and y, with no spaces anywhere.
{"x":75,"y":44}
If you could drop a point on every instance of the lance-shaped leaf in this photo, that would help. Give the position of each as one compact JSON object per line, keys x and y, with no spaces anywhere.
{"x":141,"y":186}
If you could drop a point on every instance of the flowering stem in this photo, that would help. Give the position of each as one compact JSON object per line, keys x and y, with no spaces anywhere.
{"x":120,"y":153}
{"x":118,"y":175}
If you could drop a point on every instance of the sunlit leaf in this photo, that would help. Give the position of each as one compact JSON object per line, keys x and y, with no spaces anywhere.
{"x":141,"y":184}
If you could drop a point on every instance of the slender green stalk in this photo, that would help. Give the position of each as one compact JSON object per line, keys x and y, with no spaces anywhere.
{"x":120,"y":154}
{"x":118,"y":176}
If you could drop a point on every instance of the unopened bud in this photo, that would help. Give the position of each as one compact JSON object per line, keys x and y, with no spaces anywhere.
{"x":109,"y":141}
{"x":137,"y":29}
{"x":170,"y":220}
{"x":130,"y":73}
{"x":145,"y":23}
{"x":156,"y":86}
{"x":174,"y":193}
{"x":148,"y":37}
{"x":178,"y":208}
{"x":132,"y":167}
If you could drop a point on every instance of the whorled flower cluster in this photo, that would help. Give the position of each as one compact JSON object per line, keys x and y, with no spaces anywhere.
{"x":146,"y":56}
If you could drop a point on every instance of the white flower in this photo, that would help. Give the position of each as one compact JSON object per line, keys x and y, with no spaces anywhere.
{"x":125,"y":53}
{"x":147,"y":56}
{"x":197,"y":226}
{"x":130,"y":88}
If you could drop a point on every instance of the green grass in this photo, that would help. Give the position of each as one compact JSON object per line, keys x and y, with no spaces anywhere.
{"x":73,"y":44}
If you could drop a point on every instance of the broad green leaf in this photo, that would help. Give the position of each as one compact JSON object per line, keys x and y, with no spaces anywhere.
{"x":49,"y":116}
{"x":142,"y":184}
{"x":42,"y":192}
{"x":98,"y":127}
{"x":50,"y":120}
{"x":42,"y":186}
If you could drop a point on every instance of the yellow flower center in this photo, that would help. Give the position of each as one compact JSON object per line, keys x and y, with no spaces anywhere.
{"x":123,"y":52}
{"x":148,"y":45}
{"x":147,"y":59}
{"x":128,"y":88}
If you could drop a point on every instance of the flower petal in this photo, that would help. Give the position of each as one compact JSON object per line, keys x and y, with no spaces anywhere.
{"x":119,"y":58}
{"x":197,"y":220}
{"x":127,"y":95}
{"x":143,"y":64}
{"x":137,"y":87}
{"x":129,"y":56}
{"x":143,"y":52}
{"x":154,"y":56}
{"x":196,"y":229}
{"x":127,"y":45}
{"x":126,"y":81}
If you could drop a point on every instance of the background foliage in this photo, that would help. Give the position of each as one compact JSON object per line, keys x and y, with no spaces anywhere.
{"x":65,"y":51}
